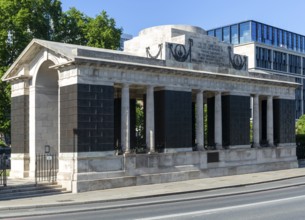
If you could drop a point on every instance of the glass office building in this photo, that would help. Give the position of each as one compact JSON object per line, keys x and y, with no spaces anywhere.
{"x":277,"y":51}
{"x":252,"y":31}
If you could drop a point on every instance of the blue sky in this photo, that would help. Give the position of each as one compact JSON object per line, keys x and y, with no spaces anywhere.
{"x":135,"y":15}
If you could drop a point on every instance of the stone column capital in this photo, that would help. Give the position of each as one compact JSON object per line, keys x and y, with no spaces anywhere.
{"x":126,"y":85}
{"x":199,"y":91}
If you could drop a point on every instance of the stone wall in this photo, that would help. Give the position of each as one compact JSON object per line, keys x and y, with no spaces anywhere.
{"x":135,"y":169}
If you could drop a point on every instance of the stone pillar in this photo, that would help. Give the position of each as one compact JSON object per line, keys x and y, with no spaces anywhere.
{"x":256,"y":121}
{"x":125,"y":119}
{"x":270,"y":121}
{"x":218,"y":121}
{"x":199,"y":121}
{"x":20,"y":160}
{"x":150,"y":119}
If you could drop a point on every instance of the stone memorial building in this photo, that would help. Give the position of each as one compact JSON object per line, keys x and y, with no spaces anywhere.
{"x":80,"y":103}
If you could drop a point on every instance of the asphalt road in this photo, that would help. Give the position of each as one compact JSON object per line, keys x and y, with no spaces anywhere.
{"x":287,"y":203}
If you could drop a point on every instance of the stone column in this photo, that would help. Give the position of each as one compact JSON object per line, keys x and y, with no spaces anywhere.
{"x":256,"y":121}
{"x":218,"y":121}
{"x":199,"y":121}
{"x":150,"y":119}
{"x":125,"y":120}
{"x":270,"y":121}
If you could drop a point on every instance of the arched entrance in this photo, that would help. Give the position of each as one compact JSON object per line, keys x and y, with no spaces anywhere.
{"x":44,"y":110}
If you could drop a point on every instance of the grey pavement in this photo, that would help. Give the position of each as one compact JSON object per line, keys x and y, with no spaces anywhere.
{"x":146,"y":191}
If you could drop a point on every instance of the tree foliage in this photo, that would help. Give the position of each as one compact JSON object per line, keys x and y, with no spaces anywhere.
{"x":73,"y":26}
{"x":101,"y":32}
{"x":23,"y":20}
{"x":300,"y":125}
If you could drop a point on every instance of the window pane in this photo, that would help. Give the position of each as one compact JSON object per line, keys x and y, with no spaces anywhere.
{"x":253,"y":30}
{"x":284,"y":43}
{"x":280,"y":34}
{"x":211,"y":33}
{"x":275,"y":37}
{"x":259,"y":32}
{"x":299,"y":43}
{"x":244,"y":29}
{"x":218,"y":34}
{"x":269,"y":34}
{"x":234,"y":34}
{"x":265,"y":33}
{"x":226,"y":34}
{"x":289,"y":43}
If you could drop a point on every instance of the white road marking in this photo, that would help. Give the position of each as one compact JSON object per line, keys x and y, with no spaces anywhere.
{"x":210,"y":211}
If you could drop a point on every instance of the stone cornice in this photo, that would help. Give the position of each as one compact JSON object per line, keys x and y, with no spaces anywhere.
{"x":104,"y":63}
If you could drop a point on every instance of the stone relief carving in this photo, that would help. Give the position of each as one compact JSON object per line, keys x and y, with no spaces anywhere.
{"x":148,"y":54}
{"x":237,"y":61}
{"x":179,"y":51}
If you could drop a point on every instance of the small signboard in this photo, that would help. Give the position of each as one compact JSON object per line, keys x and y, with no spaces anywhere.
{"x":49,"y":157}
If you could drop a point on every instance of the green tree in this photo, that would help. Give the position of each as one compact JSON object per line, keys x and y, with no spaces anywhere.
{"x":102,"y":32}
{"x":20,"y":22}
{"x":23,"y":20}
{"x":300,"y":125}
{"x":73,"y":26}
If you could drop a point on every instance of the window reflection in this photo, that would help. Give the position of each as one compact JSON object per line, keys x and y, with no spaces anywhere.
{"x":253,"y":31}
{"x":259,"y":32}
{"x":218,"y":34}
{"x":275,"y":37}
{"x":226,"y":34}
{"x":234,"y":34}
{"x":244,"y":30}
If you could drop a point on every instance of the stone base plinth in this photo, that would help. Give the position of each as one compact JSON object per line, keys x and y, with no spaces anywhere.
{"x":19,"y":165}
{"x":96,"y":172}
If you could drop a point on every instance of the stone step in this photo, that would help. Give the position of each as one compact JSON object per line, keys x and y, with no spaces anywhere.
{"x":30,"y":190}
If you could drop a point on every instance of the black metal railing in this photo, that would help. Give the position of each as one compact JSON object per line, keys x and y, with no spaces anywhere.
{"x":3,"y":167}
{"x":46,"y":168}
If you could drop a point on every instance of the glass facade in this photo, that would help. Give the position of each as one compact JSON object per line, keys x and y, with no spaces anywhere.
{"x":294,"y":64}
{"x":252,"y":31}
{"x":234,"y":34}
{"x":279,"y":61}
{"x":226,"y":35}
{"x":263,"y":58}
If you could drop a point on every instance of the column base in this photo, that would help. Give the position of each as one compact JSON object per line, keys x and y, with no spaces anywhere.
{"x":175,"y":150}
{"x":152,"y":152}
{"x":218,"y":146}
{"x":200,"y":148}
{"x":239,"y":146}
{"x":19,"y":165}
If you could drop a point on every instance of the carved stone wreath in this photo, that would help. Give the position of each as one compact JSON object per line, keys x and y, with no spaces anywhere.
{"x":237,"y":61}
{"x":179,"y":51}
